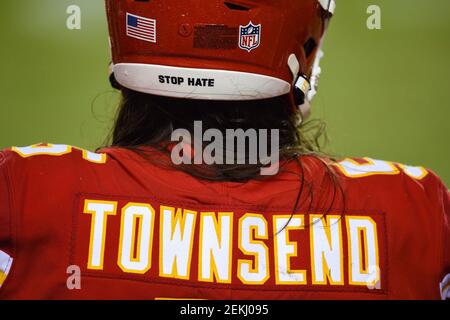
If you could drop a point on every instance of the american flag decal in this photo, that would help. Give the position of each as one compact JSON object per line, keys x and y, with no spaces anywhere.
{"x":141,"y":28}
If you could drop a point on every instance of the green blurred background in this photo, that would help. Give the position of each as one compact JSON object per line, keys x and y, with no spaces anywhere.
{"x":384,"y":93}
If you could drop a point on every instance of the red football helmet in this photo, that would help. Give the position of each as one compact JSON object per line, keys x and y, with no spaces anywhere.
{"x":218,"y":49}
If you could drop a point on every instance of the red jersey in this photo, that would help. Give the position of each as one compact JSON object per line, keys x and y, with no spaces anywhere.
{"x":82,"y":225}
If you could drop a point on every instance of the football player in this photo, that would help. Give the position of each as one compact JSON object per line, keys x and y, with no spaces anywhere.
{"x":131,"y":222}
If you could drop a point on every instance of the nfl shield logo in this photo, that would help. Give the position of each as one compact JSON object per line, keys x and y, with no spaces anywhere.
{"x":249,"y":36}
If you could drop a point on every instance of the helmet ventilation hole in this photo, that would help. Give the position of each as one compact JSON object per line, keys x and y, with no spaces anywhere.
{"x":310,"y":46}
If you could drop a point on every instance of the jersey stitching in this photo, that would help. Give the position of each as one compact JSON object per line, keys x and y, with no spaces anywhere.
{"x":256,"y":288}
{"x":227,"y":206}
{"x":12,"y":226}
{"x":387,"y":235}
{"x":441,"y":261}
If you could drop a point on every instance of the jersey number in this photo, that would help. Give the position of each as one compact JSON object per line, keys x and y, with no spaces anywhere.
{"x":57,"y":150}
{"x":370,"y":167}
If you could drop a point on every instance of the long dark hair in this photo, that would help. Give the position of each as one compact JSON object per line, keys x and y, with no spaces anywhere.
{"x":145,"y":120}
